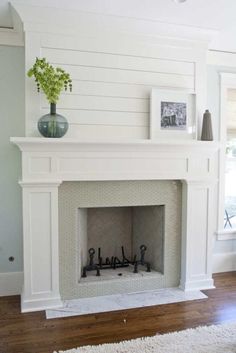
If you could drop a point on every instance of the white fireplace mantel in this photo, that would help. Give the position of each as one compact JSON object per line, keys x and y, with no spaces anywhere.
{"x":46,"y":163}
{"x":69,"y":159}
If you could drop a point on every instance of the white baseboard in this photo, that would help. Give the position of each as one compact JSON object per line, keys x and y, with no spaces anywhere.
{"x":11,"y":283}
{"x":224,"y":262}
{"x":40,"y":304}
{"x":197,"y":285}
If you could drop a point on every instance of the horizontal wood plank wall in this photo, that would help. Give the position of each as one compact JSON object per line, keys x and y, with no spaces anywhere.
{"x":112,"y":81}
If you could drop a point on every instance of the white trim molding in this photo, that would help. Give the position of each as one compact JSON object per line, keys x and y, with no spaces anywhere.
{"x":224,"y":262}
{"x":226,"y":234}
{"x":11,"y":283}
{"x":221,"y":58}
{"x":71,"y":22}
{"x":39,"y":304}
{"x":227,"y":81}
{"x":13,"y":36}
{"x":197,"y":284}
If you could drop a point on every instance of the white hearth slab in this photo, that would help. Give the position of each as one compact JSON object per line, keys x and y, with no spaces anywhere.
{"x":115,"y":302}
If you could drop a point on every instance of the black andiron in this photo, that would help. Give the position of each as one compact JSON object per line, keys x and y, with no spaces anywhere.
{"x":114,"y":262}
{"x":142,"y":262}
{"x":91,"y":266}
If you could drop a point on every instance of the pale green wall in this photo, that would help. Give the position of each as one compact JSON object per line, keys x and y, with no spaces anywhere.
{"x":12,"y":124}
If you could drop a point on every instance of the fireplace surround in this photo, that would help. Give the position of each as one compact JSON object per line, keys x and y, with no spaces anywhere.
{"x":115,"y":213}
{"x":47,"y":163}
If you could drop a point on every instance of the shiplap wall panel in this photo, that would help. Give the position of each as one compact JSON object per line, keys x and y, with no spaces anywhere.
{"x":96,"y":132}
{"x":83,"y":73}
{"x":112,"y":82}
{"x":102,"y":103}
{"x":110,"y":89}
{"x":126,"y":62}
{"x":89,"y":117}
{"x":124,"y":44}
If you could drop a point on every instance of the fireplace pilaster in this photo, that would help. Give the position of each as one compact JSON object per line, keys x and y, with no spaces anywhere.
{"x":40,"y":239}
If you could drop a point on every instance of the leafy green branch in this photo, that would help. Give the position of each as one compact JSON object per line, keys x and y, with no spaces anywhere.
{"x":50,"y":80}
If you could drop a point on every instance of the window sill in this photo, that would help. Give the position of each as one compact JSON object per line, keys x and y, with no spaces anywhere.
{"x":226,"y":234}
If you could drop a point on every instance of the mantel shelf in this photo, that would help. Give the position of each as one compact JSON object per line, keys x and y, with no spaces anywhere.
{"x":59,"y":144}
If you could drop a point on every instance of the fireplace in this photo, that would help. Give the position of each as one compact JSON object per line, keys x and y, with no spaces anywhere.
{"x":112,"y":214}
{"x":51,"y":265}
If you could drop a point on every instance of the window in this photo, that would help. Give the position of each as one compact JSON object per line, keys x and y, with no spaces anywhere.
{"x":230,"y":161}
{"x":227,"y":159}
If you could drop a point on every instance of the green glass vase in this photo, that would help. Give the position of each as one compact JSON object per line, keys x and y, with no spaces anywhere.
{"x":53,"y":124}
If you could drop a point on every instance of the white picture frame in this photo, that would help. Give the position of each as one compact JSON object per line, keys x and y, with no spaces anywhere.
{"x":172,"y":114}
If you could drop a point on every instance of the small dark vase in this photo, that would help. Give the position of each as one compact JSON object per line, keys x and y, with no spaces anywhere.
{"x":53,"y":124}
{"x":207,"y":133}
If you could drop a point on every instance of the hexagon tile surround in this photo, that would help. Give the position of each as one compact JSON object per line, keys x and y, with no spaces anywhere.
{"x":86,"y":194}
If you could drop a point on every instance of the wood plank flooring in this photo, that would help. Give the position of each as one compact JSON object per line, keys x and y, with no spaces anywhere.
{"x":32,"y":333}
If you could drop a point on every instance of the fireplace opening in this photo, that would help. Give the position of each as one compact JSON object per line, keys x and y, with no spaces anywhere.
{"x":120,"y":242}
{"x":112,"y":214}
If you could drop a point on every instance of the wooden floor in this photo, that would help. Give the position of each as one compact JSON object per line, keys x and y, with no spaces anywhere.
{"x":32,"y":333}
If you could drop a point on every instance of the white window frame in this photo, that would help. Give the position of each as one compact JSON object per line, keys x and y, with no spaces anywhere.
{"x":227,"y":81}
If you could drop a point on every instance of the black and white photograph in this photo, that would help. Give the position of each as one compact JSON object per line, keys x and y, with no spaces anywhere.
{"x":173,"y":116}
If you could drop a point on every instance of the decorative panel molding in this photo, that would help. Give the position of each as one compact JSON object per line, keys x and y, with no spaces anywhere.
{"x":69,"y":159}
{"x":40,"y":226}
{"x":40,"y":229}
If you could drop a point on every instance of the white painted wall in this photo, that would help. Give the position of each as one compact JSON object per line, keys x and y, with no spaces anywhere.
{"x":12,"y":123}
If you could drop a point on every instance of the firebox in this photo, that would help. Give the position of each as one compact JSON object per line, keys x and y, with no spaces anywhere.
{"x":120,"y":241}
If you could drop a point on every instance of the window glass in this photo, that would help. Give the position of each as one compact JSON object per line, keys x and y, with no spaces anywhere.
{"x":230,"y":163}
{"x":230,"y":185}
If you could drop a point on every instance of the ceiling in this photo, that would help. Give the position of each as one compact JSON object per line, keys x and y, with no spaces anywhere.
{"x":206,"y":14}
